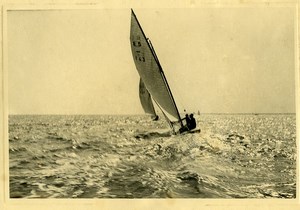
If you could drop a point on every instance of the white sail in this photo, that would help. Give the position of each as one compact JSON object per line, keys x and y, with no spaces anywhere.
{"x":150,"y":70}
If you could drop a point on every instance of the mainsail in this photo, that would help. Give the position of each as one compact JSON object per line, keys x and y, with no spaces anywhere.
{"x":150,"y":70}
{"x":146,"y":101}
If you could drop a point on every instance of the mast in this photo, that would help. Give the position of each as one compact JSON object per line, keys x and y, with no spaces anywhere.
{"x":165,"y":79}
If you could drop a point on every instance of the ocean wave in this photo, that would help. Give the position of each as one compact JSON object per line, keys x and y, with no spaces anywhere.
{"x":234,"y":156}
{"x":17,"y":149}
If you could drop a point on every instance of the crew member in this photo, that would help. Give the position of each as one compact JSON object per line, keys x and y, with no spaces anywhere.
{"x":186,"y":127}
{"x":192,"y":122}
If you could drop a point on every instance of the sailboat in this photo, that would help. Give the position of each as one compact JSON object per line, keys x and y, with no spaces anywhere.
{"x":153,"y":83}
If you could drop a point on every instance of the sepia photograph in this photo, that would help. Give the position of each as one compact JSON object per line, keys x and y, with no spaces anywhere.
{"x":147,"y":103}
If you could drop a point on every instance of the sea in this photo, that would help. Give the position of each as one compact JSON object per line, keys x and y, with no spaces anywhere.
{"x":131,"y":156}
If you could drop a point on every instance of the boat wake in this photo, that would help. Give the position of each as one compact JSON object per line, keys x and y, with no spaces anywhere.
{"x":152,"y":134}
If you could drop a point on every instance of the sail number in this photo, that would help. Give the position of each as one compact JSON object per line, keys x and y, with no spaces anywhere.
{"x":139,"y":56}
{"x":136,"y":44}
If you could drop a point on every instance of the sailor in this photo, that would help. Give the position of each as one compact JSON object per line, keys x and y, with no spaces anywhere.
{"x":192,"y":122}
{"x":186,"y":127}
{"x":187,"y":120}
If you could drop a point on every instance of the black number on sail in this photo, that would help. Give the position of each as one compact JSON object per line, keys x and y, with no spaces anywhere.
{"x":142,"y":59}
{"x":139,"y":56}
{"x":136,"y":44}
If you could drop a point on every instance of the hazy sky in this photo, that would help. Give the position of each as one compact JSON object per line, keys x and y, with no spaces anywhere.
{"x":234,"y":60}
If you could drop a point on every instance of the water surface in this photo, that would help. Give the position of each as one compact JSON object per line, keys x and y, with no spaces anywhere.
{"x":235,"y":156}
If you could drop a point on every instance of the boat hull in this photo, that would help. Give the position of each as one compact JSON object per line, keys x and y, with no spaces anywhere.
{"x":195,"y":130}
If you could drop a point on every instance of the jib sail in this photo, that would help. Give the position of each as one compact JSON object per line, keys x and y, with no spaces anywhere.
{"x":146,"y":101}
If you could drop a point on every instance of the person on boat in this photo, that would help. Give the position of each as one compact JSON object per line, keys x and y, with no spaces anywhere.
{"x":187,"y":120}
{"x":186,"y":127}
{"x":192,"y":122}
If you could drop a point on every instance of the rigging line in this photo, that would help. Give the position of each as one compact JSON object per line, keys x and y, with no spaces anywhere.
{"x":178,"y":96}
{"x":180,"y":101}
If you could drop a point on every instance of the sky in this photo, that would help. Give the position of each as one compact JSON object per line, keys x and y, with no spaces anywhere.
{"x":216,"y":60}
